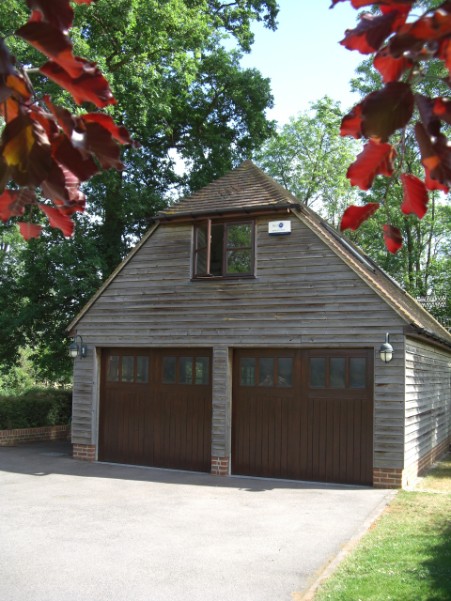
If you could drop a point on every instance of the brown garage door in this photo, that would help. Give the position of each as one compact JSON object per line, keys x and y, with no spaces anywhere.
{"x":304,"y":415}
{"x":155,"y":408}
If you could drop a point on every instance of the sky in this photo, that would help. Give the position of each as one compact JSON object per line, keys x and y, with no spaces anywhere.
{"x":303,"y":57}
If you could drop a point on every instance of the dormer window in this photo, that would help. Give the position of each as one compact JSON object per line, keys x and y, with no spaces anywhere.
{"x":224,"y":249}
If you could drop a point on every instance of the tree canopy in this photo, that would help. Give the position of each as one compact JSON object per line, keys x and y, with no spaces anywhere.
{"x":181,"y":95}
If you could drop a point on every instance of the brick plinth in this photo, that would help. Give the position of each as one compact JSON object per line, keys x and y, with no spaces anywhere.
{"x":220,"y":466}
{"x":84,"y":452}
{"x":387,"y":477}
{"x":9,"y":438}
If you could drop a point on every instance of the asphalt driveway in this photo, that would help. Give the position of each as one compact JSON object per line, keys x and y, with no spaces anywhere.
{"x":72,"y":531}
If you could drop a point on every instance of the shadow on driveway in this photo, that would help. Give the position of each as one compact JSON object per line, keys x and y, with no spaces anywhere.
{"x":45,"y":458}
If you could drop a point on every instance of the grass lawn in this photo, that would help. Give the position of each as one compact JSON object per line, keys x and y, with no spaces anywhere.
{"x":407,"y":553}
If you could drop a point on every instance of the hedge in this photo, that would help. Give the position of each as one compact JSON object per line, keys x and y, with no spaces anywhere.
{"x":36,"y":408}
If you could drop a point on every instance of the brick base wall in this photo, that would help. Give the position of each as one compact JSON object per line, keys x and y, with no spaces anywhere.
{"x":84,"y":452}
{"x":10,"y":438}
{"x":220,"y":466}
{"x":403,"y":478}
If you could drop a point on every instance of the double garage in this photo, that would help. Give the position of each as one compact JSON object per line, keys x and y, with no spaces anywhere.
{"x":296,"y":413}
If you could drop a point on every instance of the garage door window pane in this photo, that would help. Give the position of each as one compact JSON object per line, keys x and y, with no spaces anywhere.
{"x":318,"y":372}
{"x":113,"y":369}
{"x":247,"y":371}
{"x":142,"y":370}
{"x":127,"y":369}
{"x":266,"y":376}
{"x":169,"y":370}
{"x":202,"y":370}
{"x":285,"y":374}
{"x":337,"y":372}
{"x":186,"y":370}
{"x":357,"y":372}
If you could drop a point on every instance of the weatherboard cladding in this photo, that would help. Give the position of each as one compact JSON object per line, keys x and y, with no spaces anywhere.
{"x":152,"y":302}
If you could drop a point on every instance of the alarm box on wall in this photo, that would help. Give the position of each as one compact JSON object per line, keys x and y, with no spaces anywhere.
{"x":279,"y":228}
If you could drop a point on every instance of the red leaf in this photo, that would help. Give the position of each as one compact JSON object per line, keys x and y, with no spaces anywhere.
{"x":399,"y":5}
{"x":26,"y":150}
{"x":415,"y":198}
{"x":386,"y":110}
{"x":13,"y":202}
{"x":58,"y":220}
{"x":375,"y":159}
{"x":444,"y":53}
{"x":430,"y":120}
{"x":372,"y":31}
{"x":100,"y":143}
{"x":7,"y":200}
{"x":389,"y":67}
{"x":119,"y":133}
{"x":63,"y":185}
{"x":351,"y":124}
{"x":435,"y":156}
{"x":80,"y":164}
{"x":57,"y":12}
{"x":392,"y":238}
{"x":89,"y":87}
{"x":29,"y":230}
{"x":442,"y":108}
{"x":354,"y":216}
{"x":433,"y":184}
{"x":53,"y":43}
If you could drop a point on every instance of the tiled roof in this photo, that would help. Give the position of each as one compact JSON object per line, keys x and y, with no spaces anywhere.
{"x":245,"y":189}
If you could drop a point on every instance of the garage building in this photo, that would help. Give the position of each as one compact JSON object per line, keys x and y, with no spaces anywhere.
{"x":242,"y":336}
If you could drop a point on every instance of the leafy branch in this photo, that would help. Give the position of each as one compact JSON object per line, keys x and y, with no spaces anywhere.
{"x":46,"y":152}
{"x":400,"y":45}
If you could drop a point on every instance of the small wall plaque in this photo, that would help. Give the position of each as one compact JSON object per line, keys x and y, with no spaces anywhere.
{"x":279,"y":228}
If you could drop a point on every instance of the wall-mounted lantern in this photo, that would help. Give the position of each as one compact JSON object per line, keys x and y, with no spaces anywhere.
{"x":386,"y":350}
{"x":77,"y":348}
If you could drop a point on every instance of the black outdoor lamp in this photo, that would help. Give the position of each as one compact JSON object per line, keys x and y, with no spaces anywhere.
{"x":386,"y":350}
{"x":77,"y":348}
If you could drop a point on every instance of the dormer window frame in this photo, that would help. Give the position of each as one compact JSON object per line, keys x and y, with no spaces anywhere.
{"x":216,"y":233}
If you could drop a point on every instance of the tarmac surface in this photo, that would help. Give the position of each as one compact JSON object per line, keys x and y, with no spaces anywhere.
{"x":74,"y":531}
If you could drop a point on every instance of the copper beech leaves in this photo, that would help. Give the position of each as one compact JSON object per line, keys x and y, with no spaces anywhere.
{"x":375,"y":159}
{"x":400,"y":38}
{"x":354,"y":216}
{"x":415,"y":198}
{"x":45,"y":148}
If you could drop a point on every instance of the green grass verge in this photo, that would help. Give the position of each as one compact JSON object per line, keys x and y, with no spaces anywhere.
{"x":407,"y":554}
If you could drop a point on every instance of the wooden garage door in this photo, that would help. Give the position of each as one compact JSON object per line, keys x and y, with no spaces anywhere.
{"x":304,"y":415}
{"x":155,"y":408}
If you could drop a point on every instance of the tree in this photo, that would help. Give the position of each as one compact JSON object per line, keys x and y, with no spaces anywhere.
{"x":307,"y":155}
{"x":46,"y":150}
{"x":179,"y":94}
{"x":401,"y":44}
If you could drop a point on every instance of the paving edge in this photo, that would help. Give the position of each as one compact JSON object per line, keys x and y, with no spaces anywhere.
{"x":329,"y":568}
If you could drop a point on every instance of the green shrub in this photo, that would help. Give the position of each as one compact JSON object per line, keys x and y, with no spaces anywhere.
{"x":35,"y":408}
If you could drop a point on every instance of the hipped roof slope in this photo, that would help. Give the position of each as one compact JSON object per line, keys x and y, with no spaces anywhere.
{"x":245,"y":189}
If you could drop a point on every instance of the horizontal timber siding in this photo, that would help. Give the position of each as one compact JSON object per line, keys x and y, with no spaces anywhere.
{"x":303,"y":296}
{"x":428,"y":400}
